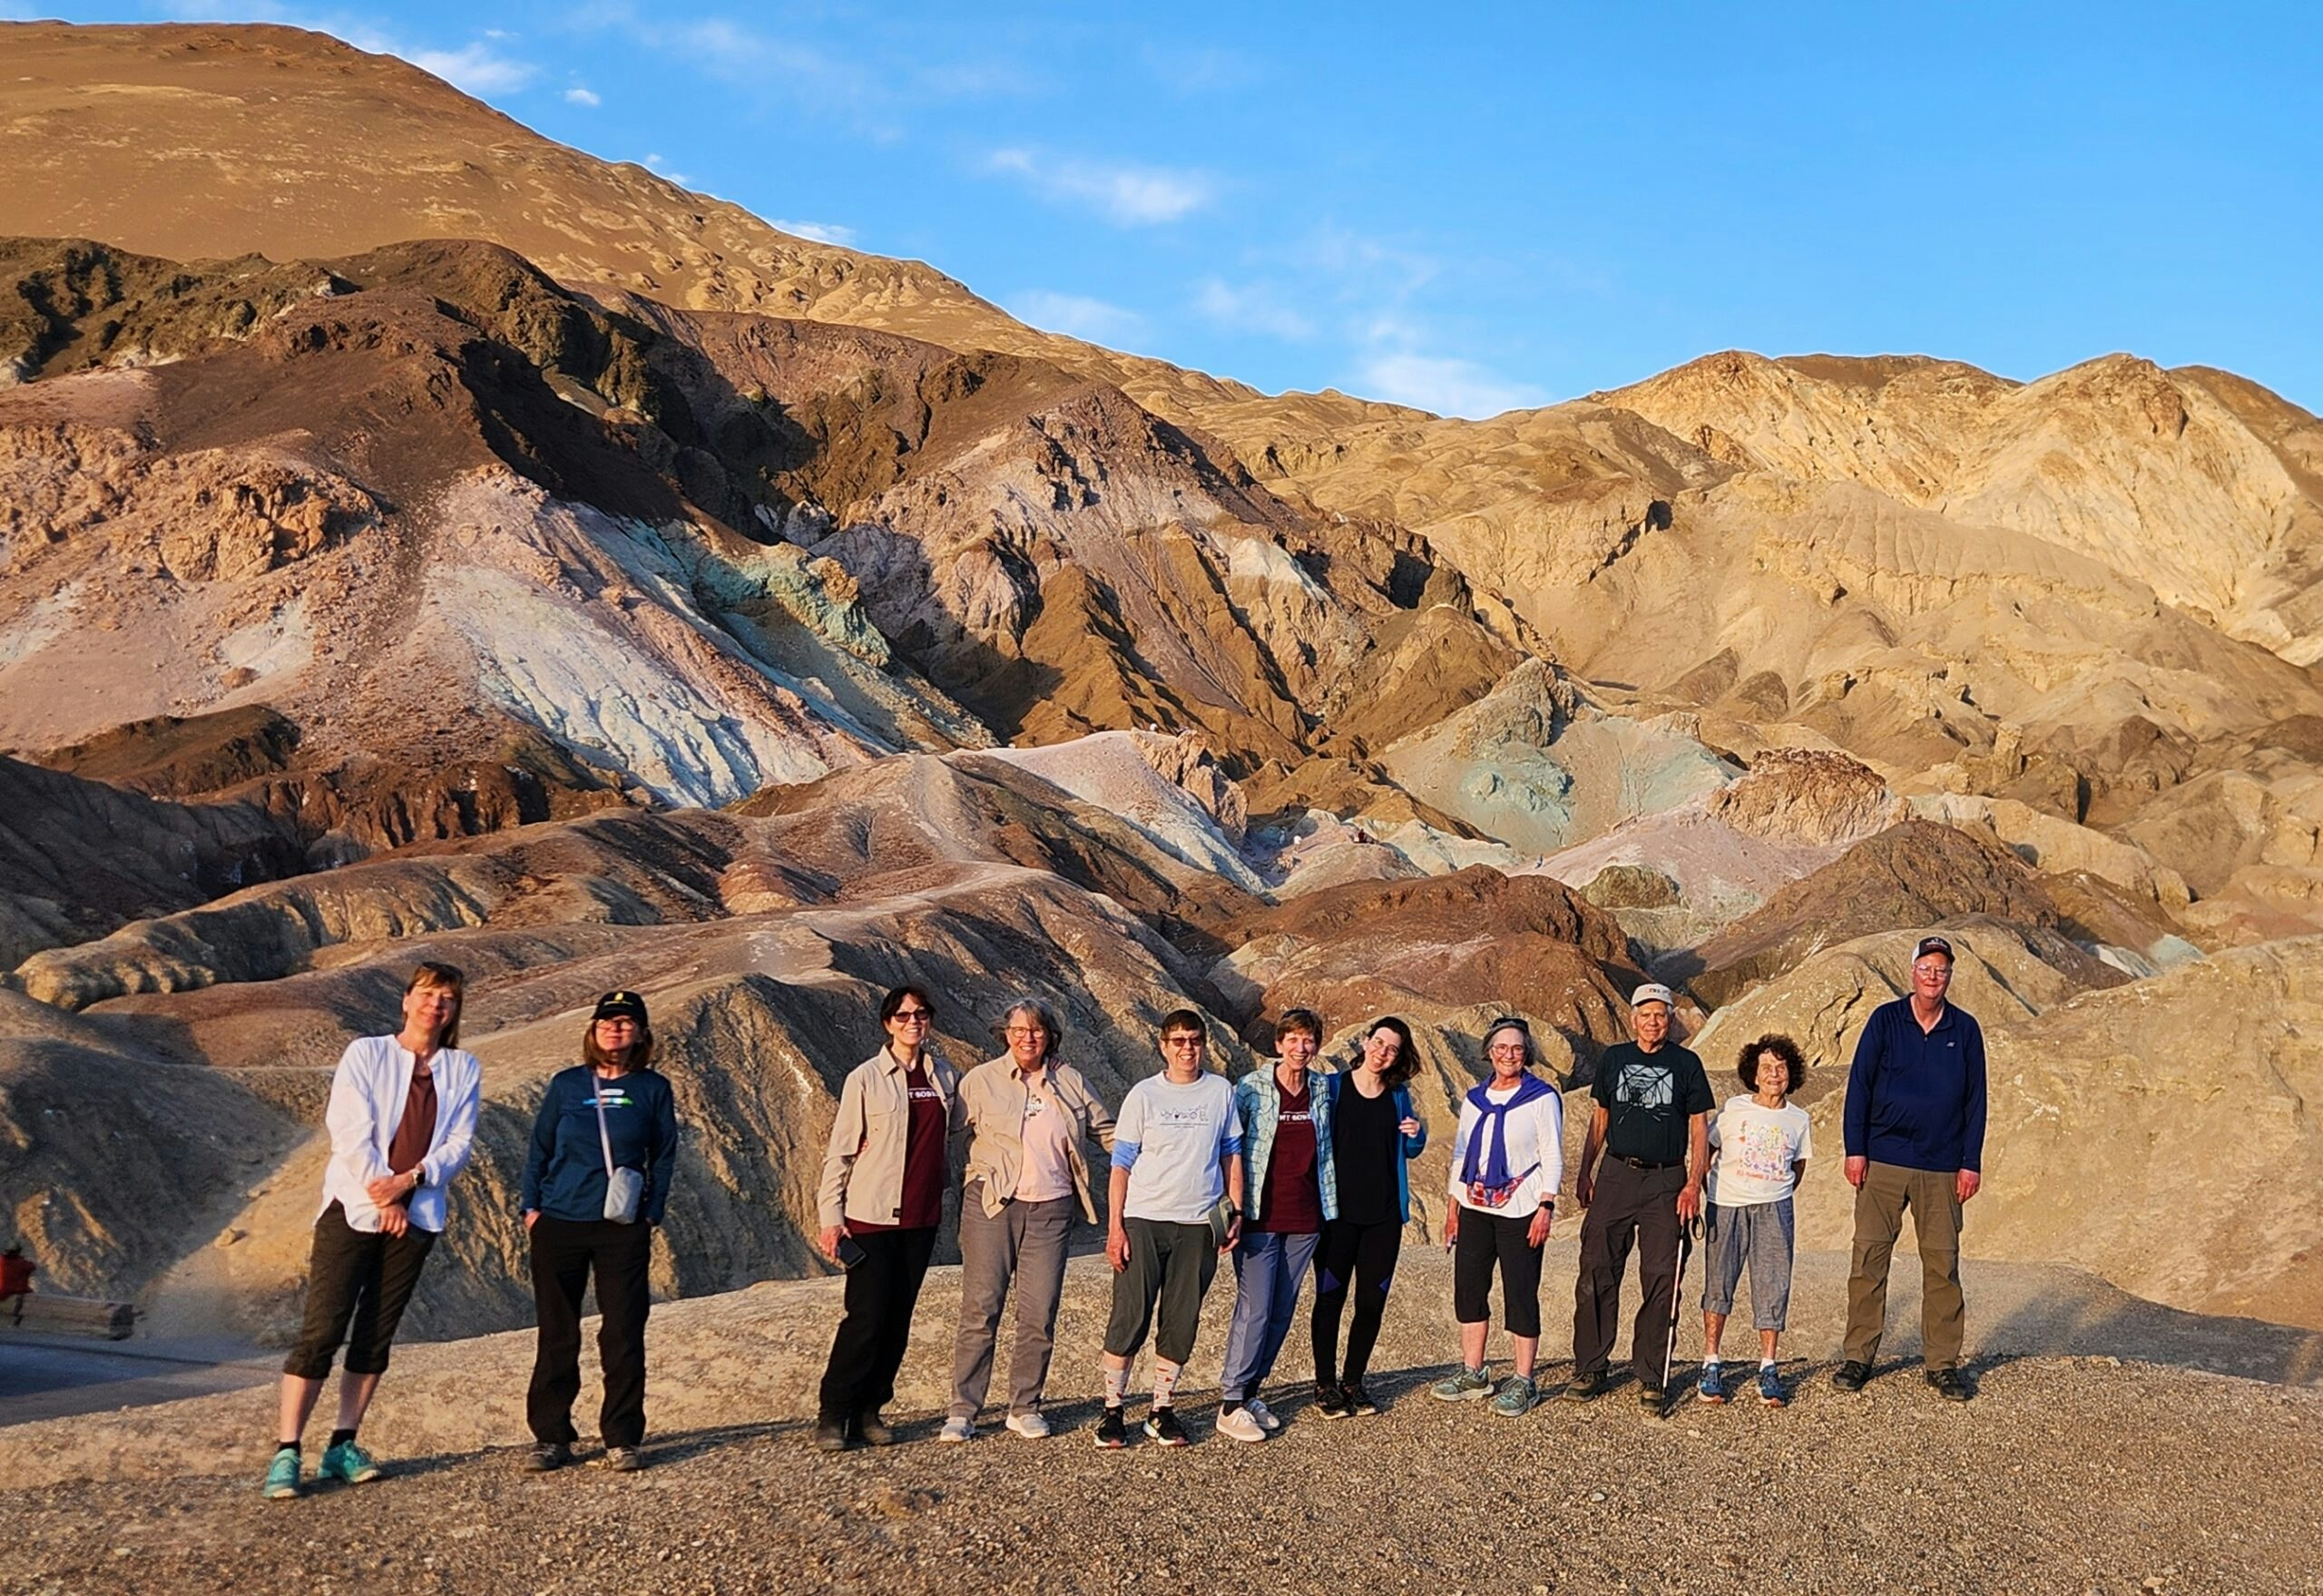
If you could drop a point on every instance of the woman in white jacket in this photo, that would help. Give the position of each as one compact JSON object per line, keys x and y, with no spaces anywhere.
{"x":1507,"y":1162}
{"x":402,"y":1120}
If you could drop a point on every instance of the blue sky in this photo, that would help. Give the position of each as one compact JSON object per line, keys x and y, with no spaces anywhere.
{"x":1469,"y":208}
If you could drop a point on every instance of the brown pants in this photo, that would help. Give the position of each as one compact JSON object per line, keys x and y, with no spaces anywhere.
{"x":1879,"y":1204}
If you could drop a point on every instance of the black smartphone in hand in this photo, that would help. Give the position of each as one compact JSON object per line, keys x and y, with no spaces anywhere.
{"x":850,"y":1251}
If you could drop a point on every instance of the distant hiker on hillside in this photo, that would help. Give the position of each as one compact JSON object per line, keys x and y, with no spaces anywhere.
{"x":1914,"y":1127}
{"x":1652,"y":1122}
{"x":1285,"y":1114}
{"x":882,"y":1201}
{"x":1027,"y":1113}
{"x":596,"y":1179}
{"x":1759,"y":1145}
{"x":401,"y":1120}
{"x":1175,"y":1204}
{"x":1507,"y":1162}
{"x":1375,"y":1134}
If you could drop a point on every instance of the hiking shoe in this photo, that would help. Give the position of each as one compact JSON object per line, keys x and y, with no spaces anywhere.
{"x":1851,"y":1375}
{"x":1710,"y":1388}
{"x":1240,"y":1425}
{"x":1517,"y":1394}
{"x":621,"y":1460}
{"x":1330,"y":1400}
{"x":1358,"y":1400}
{"x":1770,"y":1387}
{"x":1260,"y":1411}
{"x":1585,"y":1386}
{"x":1112,"y":1433}
{"x":348,"y":1463}
{"x":547,"y":1458}
{"x":1467,"y":1386}
{"x":1162,"y":1425}
{"x":1031,"y":1425}
{"x":1653,"y":1399}
{"x":830,"y":1435}
{"x":1950,"y":1384}
{"x":873,"y":1431}
{"x":281,"y":1477}
{"x":956,"y":1429}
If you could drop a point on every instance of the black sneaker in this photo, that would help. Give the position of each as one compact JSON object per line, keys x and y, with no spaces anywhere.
{"x":547,"y":1458}
{"x":1950,"y":1384}
{"x":1330,"y":1401}
{"x":873,"y":1431}
{"x":1653,"y":1399}
{"x":830,"y":1434}
{"x":1357,"y":1400}
{"x":1851,"y":1375}
{"x":1586,"y":1386}
{"x":1112,"y":1433}
{"x":1163,"y":1425}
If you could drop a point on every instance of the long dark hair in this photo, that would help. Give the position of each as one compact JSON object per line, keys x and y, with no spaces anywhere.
{"x":1407,"y":1064}
{"x":640,"y":1052}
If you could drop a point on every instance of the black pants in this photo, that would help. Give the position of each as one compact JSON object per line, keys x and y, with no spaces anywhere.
{"x":881,"y":1292}
{"x":362,"y":1277}
{"x":1486,"y":1240}
{"x":565,"y":1253}
{"x":1171,"y":1265}
{"x":1361,"y":1258}
{"x":1636,"y":1206}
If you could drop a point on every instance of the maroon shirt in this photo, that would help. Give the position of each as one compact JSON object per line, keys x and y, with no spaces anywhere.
{"x":925,"y":1130}
{"x":415,"y":1129}
{"x":1294,"y":1202}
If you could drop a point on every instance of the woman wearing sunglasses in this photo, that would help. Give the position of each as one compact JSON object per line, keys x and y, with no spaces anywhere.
{"x":881,"y":1202}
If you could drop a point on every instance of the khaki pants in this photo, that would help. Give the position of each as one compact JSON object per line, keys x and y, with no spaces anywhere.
{"x":1022,"y":1246}
{"x":1879,"y":1204}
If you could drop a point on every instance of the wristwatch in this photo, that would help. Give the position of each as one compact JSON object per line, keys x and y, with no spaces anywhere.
{"x":1548,"y":1205}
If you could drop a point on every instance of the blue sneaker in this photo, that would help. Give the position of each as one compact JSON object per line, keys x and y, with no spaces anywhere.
{"x":348,"y":1462}
{"x":281,"y":1477}
{"x":1770,"y":1387}
{"x":1710,"y":1387}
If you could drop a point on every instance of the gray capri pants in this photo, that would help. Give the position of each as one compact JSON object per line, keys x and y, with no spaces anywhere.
{"x":1762,"y":1236}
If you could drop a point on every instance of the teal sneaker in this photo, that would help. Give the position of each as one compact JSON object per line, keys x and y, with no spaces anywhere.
{"x":281,"y":1477}
{"x":350,"y":1462}
{"x":1467,"y":1386}
{"x":1517,"y":1395}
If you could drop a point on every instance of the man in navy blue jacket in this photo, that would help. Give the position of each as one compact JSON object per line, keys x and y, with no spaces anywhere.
{"x":1914,"y":1130}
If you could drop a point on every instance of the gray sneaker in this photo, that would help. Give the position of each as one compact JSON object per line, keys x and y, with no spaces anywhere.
{"x":1467,"y":1386}
{"x":1516,"y":1397}
{"x":621,"y":1459}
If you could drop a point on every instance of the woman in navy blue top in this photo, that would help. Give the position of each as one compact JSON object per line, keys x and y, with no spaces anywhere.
{"x":611,"y":1109}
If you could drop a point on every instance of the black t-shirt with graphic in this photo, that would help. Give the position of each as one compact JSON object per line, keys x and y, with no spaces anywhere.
{"x":1648,"y":1096}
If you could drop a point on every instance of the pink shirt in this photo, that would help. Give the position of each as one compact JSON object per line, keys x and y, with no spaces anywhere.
{"x":1046,"y":1133}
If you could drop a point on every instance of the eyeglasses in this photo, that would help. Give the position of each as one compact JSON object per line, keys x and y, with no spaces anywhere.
{"x":912,"y":1016}
{"x":1026,"y":1033}
{"x":1184,"y":1041}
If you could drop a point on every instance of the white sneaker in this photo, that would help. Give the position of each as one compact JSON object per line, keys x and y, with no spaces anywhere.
{"x":1259,"y":1411}
{"x":1031,"y":1425}
{"x":1240,"y":1425}
{"x":958,"y":1429}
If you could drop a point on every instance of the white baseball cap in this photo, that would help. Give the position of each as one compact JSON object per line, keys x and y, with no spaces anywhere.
{"x":1652,"y":991}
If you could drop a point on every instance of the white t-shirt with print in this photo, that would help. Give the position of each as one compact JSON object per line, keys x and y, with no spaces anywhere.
{"x":1757,"y":1147}
{"x":1178,"y":1134}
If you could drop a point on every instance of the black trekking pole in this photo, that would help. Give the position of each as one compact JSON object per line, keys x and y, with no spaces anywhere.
{"x":1686,"y":1234}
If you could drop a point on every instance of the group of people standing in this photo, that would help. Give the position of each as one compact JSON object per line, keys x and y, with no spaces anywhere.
{"x":1290,"y":1170}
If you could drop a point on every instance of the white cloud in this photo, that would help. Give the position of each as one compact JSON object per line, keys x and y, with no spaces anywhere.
{"x":1128,"y":196}
{"x":579,"y":96}
{"x":1078,"y":316}
{"x":1445,"y":384}
{"x":475,"y":69}
{"x":661,"y":168}
{"x":1199,"y":70}
{"x":1252,"y":307}
{"x":821,"y":233}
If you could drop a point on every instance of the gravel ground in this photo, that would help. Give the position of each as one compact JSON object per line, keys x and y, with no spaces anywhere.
{"x":2068,"y":1473}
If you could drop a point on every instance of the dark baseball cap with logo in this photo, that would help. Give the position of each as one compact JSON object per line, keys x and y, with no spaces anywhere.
{"x":619,"y":1005}
{"x":1932,"y":945}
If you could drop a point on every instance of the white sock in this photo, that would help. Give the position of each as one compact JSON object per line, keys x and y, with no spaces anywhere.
{"x":1116,"y":1385}
{"x":1165,"y":1380}
{"x":1765,"y":1363}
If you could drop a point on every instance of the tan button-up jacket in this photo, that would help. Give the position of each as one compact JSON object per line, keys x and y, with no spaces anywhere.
{"x":863,"y":1167}
{"x":993,"y":1097}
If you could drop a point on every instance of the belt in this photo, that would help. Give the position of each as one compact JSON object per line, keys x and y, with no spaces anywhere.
{"x":1644,"y":1163}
